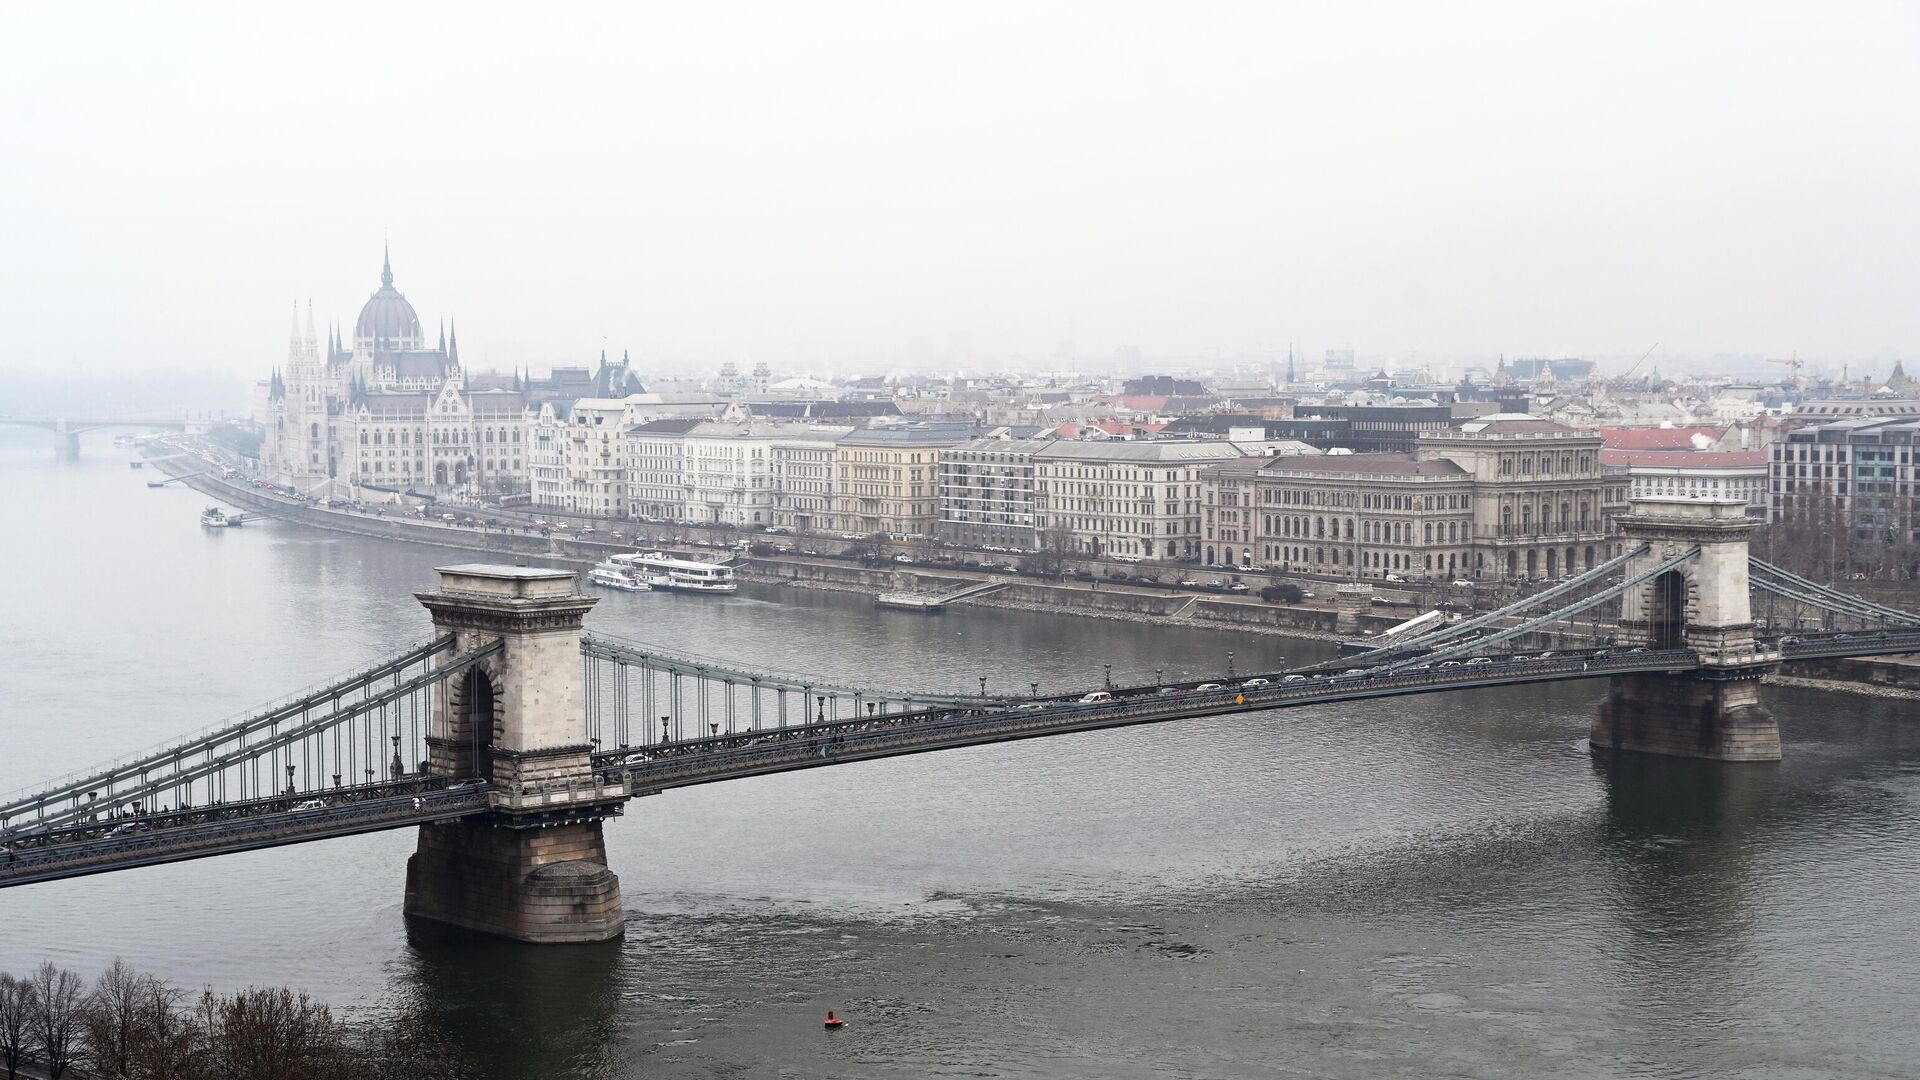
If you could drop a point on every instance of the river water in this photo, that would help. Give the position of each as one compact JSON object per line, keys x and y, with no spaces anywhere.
{"x":1441,"y":886}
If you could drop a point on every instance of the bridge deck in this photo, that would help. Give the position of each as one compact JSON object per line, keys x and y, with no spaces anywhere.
{"x":99,"y":846}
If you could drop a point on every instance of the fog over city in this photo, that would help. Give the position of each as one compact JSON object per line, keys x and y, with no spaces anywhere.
{"x":965,"y":186}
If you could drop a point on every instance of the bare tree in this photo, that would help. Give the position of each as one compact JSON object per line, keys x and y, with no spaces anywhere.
{"x":169,"y":1044}
{"x":58,"y":1017}
{"x":114,"y":1014}
{"x":16,"y":1021}
{"x":272,"y":1034}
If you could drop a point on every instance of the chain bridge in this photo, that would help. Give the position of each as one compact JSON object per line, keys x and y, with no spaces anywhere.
{"x":512,"y":735}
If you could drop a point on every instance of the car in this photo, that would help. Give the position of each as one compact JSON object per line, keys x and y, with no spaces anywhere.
{"x":1256,"y":682}
{"x":1189,"y":583}
{"x":1083,"y":575}
{"x":1207,"y":686}
{"x":1238,"y":586}
{"x":1396,"y":578}
{"x":307,"y":806}
{"x":1216,"y":584}
{"x":1294,"y":678}
{"x":1450,"y":663}
{"x":1602,"y":654}
{"x":905,"y":559}
{"x":1126,"y":558}
{"x":1472,"y":660}
{"x":1253,"y":569}
{"x":1642,"y":648}
{"x":1305,"y":595}
{"x":1096,"y":698}
{"x":1548,"y":655}
{"x":1029,"y":706}
{"x":1169,"y":690}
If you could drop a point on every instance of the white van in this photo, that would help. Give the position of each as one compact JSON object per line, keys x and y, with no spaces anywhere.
{"x":1096,"y":697}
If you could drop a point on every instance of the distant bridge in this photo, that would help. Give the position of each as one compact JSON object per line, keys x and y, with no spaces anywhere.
{"x":512,"y":735}
{"x":68,"y":430}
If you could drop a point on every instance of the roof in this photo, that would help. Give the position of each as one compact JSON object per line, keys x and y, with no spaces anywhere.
{"x":679,"y":425}
{"x":910,"y":435}
{"x":1686,"y":459}
{"x":386,"y":404}
{"x":1512,"y":424}
{"x":1365,"y":465}
{"x":1151,"y":451}
{"x":1006,"y":446}
{"x":1641,"y":438}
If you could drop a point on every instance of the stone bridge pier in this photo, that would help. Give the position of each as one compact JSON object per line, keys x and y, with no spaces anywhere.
{"x":1713,"y":712}
{"x":535,"y":868}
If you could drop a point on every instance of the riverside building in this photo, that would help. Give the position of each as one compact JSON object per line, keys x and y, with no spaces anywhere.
{"x":1134,"y":498}
{"x":380,"y":409}
{"x":987,"y":493}
{"x":1504,"y":497}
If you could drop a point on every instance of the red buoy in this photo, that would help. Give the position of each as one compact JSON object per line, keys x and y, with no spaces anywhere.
{"x":834,"y":1023}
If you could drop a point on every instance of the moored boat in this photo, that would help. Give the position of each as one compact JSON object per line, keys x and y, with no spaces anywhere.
{"x":663,"y":571}
{"x":215,"y":518}
{"x":615,"y":575}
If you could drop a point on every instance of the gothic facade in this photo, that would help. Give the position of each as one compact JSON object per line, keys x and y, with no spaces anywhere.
{"x":381,"y":410}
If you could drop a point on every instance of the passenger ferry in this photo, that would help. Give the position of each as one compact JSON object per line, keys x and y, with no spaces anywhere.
{"x":215,"y":518}
{"x":616,"y":575}
{"x":664,"y":571}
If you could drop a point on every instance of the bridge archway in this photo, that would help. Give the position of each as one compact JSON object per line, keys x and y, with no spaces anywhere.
{"x":1667,"y":611}
{"x":477,"y":717}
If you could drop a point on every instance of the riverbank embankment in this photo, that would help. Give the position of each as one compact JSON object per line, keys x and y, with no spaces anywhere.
{"x":1891,"y":677}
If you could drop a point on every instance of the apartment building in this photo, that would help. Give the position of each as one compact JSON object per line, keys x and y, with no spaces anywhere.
{"x":1716,"y":474}
{"x":987,"y":492}
{"x":1133,"y":498}
{"x":886,"y":479}
{"x":657,"y":468}
{"x":593,"y":450}
{"x":1861,"y":474}
{"x":803,"y":476}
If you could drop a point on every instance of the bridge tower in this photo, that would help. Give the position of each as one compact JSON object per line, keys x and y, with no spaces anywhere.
{"x":535,"y":868}
{"x":1714,"y":711}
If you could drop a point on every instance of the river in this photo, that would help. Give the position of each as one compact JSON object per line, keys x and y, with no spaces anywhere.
{"x":1440,"y":886}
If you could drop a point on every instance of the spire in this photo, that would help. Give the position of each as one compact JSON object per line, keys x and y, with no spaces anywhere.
{"x":443,"y":335}
{"x":453,"y":343}
{"x":293,"y":335}
{"x":386,"y":267}
{"x":313,"y":343}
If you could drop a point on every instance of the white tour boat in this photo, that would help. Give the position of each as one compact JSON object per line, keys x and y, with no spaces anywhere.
{"x":617,"y":576}
{"x":663,"y":571}
{"x":215,"y":518}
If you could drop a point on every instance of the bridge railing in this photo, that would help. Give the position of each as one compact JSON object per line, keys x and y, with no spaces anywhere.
{"x":341,"y":686}
{"x":378,"y":729}
{"x":657,"y":768}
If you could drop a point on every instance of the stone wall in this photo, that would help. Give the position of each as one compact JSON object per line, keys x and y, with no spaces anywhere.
{"x":1687,"y":716}
{"x":544,"y":886}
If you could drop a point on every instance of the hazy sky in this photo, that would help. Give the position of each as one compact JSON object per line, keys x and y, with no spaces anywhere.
{"x":806,"y":182}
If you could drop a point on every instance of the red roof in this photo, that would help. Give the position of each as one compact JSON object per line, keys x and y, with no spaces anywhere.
{"x":1678,"y":438}
{"x":1687,"y":459}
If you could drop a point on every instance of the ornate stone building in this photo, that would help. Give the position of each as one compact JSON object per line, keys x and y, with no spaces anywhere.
{"x":381,"y":410}
{"x":1502,"y":497}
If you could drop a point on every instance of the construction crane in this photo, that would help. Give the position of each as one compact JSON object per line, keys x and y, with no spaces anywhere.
{"x":1794,"y":364}
{"x":1628,"y":374}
